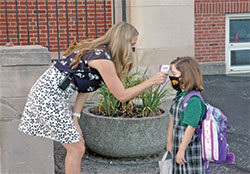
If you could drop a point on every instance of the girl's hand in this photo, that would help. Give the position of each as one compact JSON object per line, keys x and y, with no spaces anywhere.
{"x":180,"y":159}
{"x":159,"y":78}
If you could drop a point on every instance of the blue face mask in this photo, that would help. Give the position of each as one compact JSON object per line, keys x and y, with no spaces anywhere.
{"x":175,"y":81}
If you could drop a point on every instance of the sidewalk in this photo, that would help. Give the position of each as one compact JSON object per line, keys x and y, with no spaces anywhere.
{"x":230,"y":93}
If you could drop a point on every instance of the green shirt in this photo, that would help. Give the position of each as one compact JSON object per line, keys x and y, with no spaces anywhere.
{"x":194,"y":111}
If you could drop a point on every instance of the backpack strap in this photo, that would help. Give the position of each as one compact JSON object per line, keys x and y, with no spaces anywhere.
{"x":185,"y":102}
{"x":197,"y":130}
{"x":188,"y":96}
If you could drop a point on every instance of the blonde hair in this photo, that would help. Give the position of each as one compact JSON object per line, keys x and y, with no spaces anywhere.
{"x":191,"y":76}
{"x":117,"y":40}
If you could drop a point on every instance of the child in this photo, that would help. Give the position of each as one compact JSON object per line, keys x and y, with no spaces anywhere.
{"x":183,"y":143}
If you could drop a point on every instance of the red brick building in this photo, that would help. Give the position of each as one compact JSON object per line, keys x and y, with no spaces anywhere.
{"x":222,"y":33}
{"x":35,"y":22}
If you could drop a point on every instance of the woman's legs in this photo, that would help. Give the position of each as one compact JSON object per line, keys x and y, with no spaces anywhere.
{"x":75,"y":152}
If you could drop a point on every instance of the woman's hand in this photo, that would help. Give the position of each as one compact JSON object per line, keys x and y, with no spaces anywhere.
{"x":79,"y":103}
{"x":159,"y":78}
{"x":75,"y":119}
{"x":180,"y":157}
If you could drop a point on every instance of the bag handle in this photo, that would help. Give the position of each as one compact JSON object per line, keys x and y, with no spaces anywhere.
{"x":164,"y":156}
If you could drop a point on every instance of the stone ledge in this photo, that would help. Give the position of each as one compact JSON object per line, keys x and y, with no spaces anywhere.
{"x":213,"y":68}
{"x":22,"y":55}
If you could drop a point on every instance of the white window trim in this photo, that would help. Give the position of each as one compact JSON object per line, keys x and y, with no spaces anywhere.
{"x":235,"y":46}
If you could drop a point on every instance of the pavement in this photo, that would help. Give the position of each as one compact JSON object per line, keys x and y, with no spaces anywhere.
{"x":230,"y":93}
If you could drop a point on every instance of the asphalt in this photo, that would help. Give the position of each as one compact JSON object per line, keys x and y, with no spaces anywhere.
{"x":230,"y":93}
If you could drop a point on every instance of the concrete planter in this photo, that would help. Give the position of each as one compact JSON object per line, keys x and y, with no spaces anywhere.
{"x":124,"y":137}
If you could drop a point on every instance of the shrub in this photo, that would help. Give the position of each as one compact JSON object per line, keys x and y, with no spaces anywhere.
{"x":145,"y":105}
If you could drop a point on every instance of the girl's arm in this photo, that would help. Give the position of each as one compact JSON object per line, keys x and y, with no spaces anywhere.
{"x":108,"y":72}
{"x":79,"y":103}
{"x":170,"y":135}
{"x":189,"y":132}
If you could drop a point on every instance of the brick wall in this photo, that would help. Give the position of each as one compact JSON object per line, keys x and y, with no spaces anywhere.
{"x":210,"y":26}
{"x":52,"y":20}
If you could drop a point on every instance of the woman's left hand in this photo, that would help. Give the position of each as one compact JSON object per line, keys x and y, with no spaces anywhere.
{"x":180,"y":157}
{"x":75,"y":119}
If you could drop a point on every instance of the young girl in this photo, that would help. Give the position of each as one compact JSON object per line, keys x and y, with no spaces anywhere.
{"x":183,"y":143}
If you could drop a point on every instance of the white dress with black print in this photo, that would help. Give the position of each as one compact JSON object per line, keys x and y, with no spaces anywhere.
{"x":47,"y":112}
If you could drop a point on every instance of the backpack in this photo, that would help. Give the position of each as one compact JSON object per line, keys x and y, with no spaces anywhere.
{"x":213,"y":133}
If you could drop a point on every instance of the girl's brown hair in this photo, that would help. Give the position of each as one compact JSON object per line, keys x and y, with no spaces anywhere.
{"x":191,"y":76}
{"x":117,"y":40}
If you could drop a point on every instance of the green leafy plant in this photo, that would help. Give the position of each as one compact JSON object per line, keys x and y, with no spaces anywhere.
{"x":146,"y":104}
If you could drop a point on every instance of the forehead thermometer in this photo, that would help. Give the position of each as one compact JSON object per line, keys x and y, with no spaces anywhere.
{"x":164,"y":68}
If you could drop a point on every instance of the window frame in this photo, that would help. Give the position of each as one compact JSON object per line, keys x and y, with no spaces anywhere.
{"x":235,"y":46}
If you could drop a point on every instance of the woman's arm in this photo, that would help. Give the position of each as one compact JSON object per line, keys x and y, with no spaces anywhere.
{"x":108,"y":72}
{"x":79,"y":103}
{"x":170,"y":135}
{"x":189,"y":132}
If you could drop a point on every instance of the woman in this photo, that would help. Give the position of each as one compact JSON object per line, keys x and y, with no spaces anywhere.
{"x":86,"y":66}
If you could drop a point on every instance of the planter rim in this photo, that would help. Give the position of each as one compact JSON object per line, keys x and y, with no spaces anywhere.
{"x":86,"y":110}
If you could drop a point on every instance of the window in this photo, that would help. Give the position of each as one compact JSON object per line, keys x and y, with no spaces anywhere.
{"x":238,"y":43}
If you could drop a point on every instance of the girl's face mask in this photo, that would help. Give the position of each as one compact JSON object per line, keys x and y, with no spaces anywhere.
{"x":175,"y":81}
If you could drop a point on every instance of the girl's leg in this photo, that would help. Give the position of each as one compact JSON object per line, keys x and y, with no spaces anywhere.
{"x":75,"y":152}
